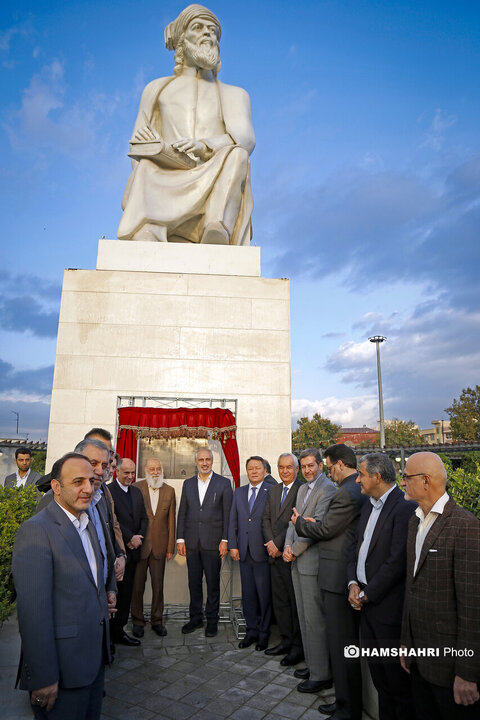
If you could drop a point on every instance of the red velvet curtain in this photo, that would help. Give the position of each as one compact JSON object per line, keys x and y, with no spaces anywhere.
{"x":143,"y":422}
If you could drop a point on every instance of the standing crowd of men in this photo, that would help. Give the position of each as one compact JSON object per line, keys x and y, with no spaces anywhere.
{"x":347,"y":565}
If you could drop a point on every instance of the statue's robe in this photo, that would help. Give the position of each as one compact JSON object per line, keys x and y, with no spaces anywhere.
{"x":177,"y":198}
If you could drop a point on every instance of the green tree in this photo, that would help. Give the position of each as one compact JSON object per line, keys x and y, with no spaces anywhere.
{"x":317,"y":432}
{"x":464,"y":415}
{"x":402,"y":433}
{"x":38,"y":461}
{"x":16,"y":506}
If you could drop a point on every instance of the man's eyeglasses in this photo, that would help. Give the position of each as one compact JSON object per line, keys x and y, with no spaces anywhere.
{"x":407,"y":477}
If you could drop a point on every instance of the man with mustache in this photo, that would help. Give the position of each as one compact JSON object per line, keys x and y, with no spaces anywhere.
{"x":209,"y":200}
{"x":158,"y":546}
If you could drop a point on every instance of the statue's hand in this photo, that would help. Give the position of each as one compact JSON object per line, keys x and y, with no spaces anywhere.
{"x":195,"y":147}
{"x":146,"y":134}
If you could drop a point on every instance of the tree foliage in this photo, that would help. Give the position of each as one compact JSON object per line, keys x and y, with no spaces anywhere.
{"x":402,"y":433}
{"x":16,"y":506}
{"x":38,"y":461}
{"x":464,"y":415}
{"x":317,"y":432}
{"x":464,"y":487}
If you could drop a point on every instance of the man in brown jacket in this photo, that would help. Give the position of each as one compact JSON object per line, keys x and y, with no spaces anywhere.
{"x":158,"y":544}
{"x":442,"y":609}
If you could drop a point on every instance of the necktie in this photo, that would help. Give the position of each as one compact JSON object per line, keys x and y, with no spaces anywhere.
{"x":284,"y":495}
{"x":251,"y":502}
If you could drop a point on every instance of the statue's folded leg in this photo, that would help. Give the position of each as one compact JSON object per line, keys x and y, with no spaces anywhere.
{"x":224,"y":202}
{"x":151,"y":232}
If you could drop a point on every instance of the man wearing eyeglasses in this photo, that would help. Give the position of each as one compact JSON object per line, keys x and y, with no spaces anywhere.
{"x":442,"y":597}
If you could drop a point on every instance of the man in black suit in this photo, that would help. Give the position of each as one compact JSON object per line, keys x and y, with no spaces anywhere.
{"x":202,"y":535}
{"x":335,"y":532}
{"x":376,"y":573}
{"x":246,"y":546}
{"x":132,"y":516}
{"x":276,"y":518}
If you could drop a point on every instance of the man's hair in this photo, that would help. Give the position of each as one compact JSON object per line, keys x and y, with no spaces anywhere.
{"x":257,"y":457}
{"x":22,"y":451}
{"x":200,"y":450}
{"x":121,"y":460}
{"x":341,"y":452}
{"x":379,"y":463}
{"x":107,"y":436}
{"x":290,"y":455}
{"x":117,"y":457}
{"x":56,"y":472}
{"x":311,"y":451}
{"x":152,"y":457}
{"x":80,"y":448}
{"x":268,"y":467}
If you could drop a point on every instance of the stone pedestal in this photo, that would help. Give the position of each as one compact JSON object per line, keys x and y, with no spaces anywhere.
{"x":177,"y":320}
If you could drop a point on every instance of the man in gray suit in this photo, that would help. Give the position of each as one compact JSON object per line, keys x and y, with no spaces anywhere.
{"x":62,"y":604}
{"x":313,"y":499}
{"x":24,"y":474}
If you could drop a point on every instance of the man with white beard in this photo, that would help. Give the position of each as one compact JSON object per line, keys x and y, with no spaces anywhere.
{"x":158,"y":545}
{"x":202,"y":123}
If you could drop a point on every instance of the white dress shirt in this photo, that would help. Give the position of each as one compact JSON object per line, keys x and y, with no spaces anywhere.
{"x":203,"y":487}
{"x":80,"y":525}
{"x":122,"y":487}
{"x":426,"y":523}
{"x":21,"y":481}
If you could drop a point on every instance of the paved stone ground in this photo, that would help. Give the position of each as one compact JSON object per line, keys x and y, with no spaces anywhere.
{"x":179,"y":677}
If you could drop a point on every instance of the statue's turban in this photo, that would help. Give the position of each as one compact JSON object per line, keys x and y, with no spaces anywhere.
{"x":175,"y":30}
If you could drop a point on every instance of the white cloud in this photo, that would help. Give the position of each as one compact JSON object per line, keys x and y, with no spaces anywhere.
{"x":352,"y":411}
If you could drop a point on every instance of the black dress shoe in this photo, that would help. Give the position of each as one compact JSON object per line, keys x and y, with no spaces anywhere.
{"x":137,"y":631}
{"x":126,"y":640}
{"x":211,"y":629}
{"x":160,"y":629}
{"x":314,"y":686}
{"x":293,"y":658}
{"x":328,"y":709}
{"x":302,"y":673}
{"x":261,"y":645}
{"x":191,"y":625}
{"x":279,"y":649}
{"x":247,"y":641}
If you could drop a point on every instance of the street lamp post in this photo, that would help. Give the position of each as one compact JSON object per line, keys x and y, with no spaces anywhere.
{"x":378,"y":339}
{"x":17,"y":416}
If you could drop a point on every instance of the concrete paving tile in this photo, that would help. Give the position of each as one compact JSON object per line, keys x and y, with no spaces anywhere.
{"x":250,"y":683}
{"x":266,"y":675}
{"x":169,"y":675}
{"x":247,"y":713}
{"x":175,"y":691}
{"x":276,"y":691}
{"x":289,"y":710}
{"x":179,"y":711}
{"x":305,"y":699}
{"x":286,"y":680}
{"x":150,"y":686}
{"x":200,"y":697}
{"x":129,"y":663}
{"x":235,"y":696}
{"x":263,"y":702}
{"x":219,"y":708}
{"x":223,"y":681}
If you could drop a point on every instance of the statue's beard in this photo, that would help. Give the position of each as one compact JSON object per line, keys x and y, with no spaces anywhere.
{"x":202,"y":55}
{"x":154,"y":481}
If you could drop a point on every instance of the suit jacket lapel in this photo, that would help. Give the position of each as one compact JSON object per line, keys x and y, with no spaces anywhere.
{"x":390,"y":503}
{"x":72,"y":538}
{"x":433,"y":533}
{"x":211,"y":490}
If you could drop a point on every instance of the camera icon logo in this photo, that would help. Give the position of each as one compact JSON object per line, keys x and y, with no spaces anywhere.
{"x":351,"y":651}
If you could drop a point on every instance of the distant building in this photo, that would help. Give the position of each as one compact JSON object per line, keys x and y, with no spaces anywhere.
{"x":439,"y":434}
{"x":354,"y":436}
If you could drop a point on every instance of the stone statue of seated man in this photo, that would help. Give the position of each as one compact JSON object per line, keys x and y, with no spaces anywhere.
{"x":190,"y":147}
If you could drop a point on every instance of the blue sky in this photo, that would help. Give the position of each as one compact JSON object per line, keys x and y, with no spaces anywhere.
{"x":366,"y":182}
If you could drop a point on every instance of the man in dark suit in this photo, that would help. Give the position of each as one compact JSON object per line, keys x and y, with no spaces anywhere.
{"x":335,"y":531}
{"x":202,"y":529}
{"x":442,"y":608}
{"x":157,"y":547}
{"x":268,"y":479}
{"x":376,"y":573}
{"x":24,"y":474}
{"x":61,"y":600}
{"x":278,"y":511}
{"x":246,"y":545}
{"x":132,"y":517}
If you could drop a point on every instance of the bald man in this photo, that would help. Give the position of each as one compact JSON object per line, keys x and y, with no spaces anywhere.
{"x":442,"y":598}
